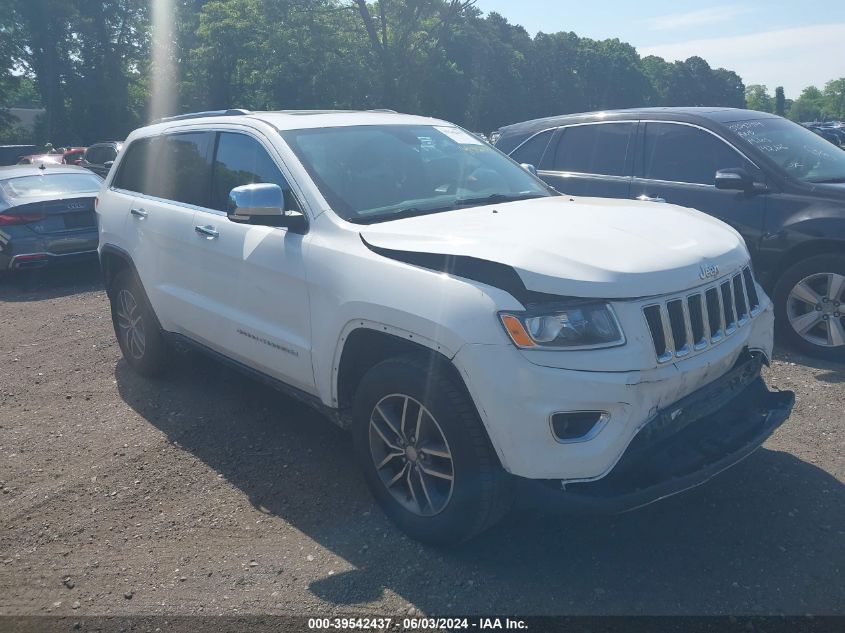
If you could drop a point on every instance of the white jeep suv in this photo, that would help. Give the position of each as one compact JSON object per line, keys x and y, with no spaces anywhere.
{"x":479,"y":334}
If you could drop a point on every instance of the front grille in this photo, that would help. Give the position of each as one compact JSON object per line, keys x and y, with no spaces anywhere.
{"x":683,"y":325}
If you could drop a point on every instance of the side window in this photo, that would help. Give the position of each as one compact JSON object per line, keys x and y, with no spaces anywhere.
{"x":598,"y":148}
{"x":680,"y":153}
{"x":134,"y":167}
{"x":241,"y":160}
{"x":532,"y":150}
{"x":173,"y":167}
{"x":182,"y":170}
{"x":92,"y":154}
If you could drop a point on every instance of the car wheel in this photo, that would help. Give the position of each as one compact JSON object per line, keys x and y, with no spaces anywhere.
{"x":810,"y":306}
{"x":138,"y":333}
{"x":425,"y":454}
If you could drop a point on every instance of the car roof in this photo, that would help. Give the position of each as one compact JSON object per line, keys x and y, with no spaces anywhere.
{"x":15,"y":171}
{"x":295,"y":119}
{"x":718,"y":115}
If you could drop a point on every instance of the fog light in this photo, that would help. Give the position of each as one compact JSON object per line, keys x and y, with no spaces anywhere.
{"x":578,"y":426}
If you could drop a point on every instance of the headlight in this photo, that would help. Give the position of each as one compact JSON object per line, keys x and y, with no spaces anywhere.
{"x":579,"y":326}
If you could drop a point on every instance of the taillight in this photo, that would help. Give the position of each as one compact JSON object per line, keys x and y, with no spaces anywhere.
{"x":10,"y":219}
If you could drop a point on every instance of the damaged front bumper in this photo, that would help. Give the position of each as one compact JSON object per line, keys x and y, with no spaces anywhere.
{"x":682,"y":446}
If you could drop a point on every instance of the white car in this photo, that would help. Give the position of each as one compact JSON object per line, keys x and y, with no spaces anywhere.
{"x":479,"y":334}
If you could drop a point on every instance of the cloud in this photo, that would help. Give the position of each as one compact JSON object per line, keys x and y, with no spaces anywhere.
{"x":711,"y":15}
{"x":793,"y":58}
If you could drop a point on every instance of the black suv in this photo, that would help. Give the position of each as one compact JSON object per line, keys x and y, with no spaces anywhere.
{"x":100,"y":157}
{"x":780,"y":185}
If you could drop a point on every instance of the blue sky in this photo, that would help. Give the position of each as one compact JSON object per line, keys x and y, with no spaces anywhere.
{"x":792,"y":43}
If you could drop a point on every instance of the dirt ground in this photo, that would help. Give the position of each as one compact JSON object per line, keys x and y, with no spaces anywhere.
{"x":208,"y":493}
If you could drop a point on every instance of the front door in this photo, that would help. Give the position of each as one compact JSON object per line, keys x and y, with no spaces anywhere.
{"x":677,"y":163}
{"x":252,"y":277}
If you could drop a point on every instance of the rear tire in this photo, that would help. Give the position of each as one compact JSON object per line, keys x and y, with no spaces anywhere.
{"x":810,"y":306}
{"x":415,"y":410}
{"x":138,"y":333}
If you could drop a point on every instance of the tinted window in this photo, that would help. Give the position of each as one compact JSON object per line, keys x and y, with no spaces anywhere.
{"x":241,"y":160}
{"x":680,"y":153}
{"x":183,"y":168}
{"x":135,"y":166}
{"x":93,"y":155}
{"x":595,"y":149}
{"x":174,"y":167}
{"x":532,"y":150}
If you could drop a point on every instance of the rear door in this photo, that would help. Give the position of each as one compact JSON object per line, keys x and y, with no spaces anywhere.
{"x":677,"y":163}
{"x":253,"y":282}
{"x":591,"y":159}
{"x":170,"y":176}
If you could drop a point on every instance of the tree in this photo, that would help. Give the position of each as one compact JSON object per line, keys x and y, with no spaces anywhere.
{"x":834,"y":98}
{"x":757,"y":98}
{"x":780,"y":101}
{"x":406,"y":40}
{"x":809,"y":106}
{"x":90,"y":62}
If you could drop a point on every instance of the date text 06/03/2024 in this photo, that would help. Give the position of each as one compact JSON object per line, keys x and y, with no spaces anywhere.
{"x":407,"y":624}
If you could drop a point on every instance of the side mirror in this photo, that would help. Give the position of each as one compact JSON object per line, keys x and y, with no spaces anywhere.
{"x":529,"y":168}
{"x":734,"y":179}
{"x":263,"y":204}
{"x":108,"y":164}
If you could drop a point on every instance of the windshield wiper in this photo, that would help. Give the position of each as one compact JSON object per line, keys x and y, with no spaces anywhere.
{"x":496,"y":197}
{"x":828,"y":181}
{"x":399,"y":214}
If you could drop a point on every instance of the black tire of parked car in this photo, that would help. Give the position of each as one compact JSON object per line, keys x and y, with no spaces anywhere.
{"x":805,"y":268}
{"x":136,"y":327}
{"x":481,"y":492}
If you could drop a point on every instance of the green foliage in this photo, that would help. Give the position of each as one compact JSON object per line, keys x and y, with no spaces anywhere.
{"x":780,"y":101}
{"x":809,"y":106}
{"x":88,"y":62}
{"x":757,"y":97}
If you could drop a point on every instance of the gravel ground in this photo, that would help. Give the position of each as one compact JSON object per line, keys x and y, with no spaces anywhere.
{"x":208,"y":493}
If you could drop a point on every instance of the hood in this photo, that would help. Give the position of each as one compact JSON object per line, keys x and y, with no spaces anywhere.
{"x":577,"y":247}
{"x":835,"y":191}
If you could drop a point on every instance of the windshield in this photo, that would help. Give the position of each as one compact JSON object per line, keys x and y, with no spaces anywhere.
{"x":50,"y":184}
{"x":383,"y":172}
{"x":801,"y":153}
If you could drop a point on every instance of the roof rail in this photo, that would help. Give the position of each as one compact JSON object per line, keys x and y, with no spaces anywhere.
{"x":200,"y":115}
{"x":385,"y":110}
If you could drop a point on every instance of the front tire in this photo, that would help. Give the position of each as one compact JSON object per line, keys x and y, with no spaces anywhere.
{"x":425,"y":454}
{"x":810,"y":306}
{"x":137,"y":330}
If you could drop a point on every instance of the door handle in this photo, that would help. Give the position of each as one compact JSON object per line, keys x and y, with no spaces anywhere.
{"x":139,"y":213}
{"x":208,"y":232}
{"x":646,"y":198}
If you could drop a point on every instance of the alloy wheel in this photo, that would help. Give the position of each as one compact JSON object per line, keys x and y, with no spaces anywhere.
{"x":411,"y":455}
{"x":131,"y":324}
{"x":816,"y":309}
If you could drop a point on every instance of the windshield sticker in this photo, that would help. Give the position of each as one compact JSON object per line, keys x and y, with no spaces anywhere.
{"x":458,"y":135}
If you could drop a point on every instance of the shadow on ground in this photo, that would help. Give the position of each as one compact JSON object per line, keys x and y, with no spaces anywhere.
{"x":51,"y":283}
{"x":765,"y":537}
{"x":833,"y":372}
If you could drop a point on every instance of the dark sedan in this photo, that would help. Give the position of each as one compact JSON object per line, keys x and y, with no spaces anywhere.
{"x":46,"y":215}
{"x":778,"y":184}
